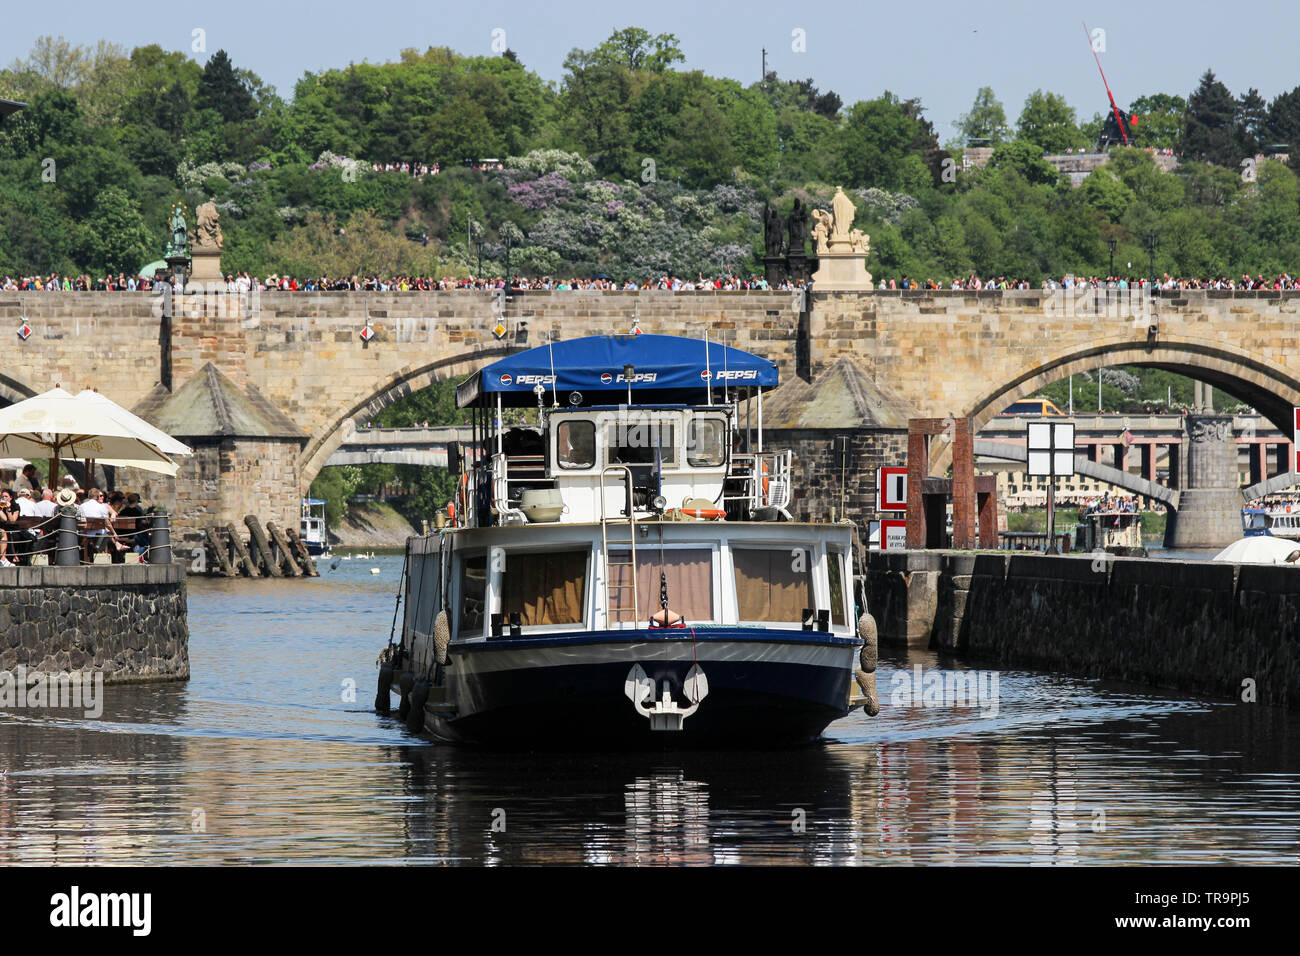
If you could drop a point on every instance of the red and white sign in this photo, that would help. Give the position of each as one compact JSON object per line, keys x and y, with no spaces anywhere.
{"x":891,"y":488}
{"x":1295,"y":439}
{"x":893,"y":534}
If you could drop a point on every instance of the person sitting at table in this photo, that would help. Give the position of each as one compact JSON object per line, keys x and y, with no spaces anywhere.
{"x":94,"y":509}
{"x":139,"y":538}
{"x":8,"y":518}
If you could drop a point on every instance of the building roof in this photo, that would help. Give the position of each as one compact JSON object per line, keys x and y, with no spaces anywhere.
{"x":10,"y":106}
{"x":210,"y":405}
{"x":843,"y":396}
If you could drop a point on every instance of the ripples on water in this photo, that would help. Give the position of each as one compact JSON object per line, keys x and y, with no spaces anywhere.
{"x":260,"y":759}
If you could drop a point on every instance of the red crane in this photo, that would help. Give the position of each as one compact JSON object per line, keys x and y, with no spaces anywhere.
{"x":1121,"y":119}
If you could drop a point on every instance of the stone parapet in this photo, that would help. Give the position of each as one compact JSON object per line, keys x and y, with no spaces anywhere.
{"x":128,"y":622}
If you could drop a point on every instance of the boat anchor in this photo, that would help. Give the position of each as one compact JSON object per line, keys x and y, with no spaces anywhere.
{"x":664,"y":714}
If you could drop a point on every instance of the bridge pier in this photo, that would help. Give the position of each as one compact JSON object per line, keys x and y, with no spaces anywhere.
{"x":1209,"y":508}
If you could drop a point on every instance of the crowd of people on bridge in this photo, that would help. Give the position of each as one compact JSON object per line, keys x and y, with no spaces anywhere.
{"x":1109,"y":504}
{"x":726,"y":282}
{"x":108,"y":522}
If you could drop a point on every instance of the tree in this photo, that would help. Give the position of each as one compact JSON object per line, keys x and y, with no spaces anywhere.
{"x":116,"y":236}
{"x":1048,"y":122}
{"x":1158,"y":121}
{"x":1026,"y":159}
{"x":1252,"y":119}
{"x":1210,"y":124}
{"x":1283,"y":124}
{"x":221,"y":89}
{"x":986,"y":119}
{"x":635,"y":49}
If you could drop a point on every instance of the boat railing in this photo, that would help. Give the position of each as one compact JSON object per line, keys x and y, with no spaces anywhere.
{"x":502,"y":503}
{"x":607,"y":524}
{"x":766,"y":478}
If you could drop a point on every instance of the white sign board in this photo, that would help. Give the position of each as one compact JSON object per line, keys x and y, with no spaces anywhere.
{"x":1051,"y":449}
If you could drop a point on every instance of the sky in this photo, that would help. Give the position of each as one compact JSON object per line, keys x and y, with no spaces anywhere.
{"x":939,"y":51}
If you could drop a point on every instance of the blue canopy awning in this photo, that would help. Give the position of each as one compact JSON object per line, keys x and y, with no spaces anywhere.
{"x":666,"y":369}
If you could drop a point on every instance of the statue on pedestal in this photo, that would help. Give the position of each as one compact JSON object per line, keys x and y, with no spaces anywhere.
{"x":841,"y":249}
{"x":798,"y":225}
{"x":772,"y":229}
{"x":209,"y":229}
{"x":178,"y":245}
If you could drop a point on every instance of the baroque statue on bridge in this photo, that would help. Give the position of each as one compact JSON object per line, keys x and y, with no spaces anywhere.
{"x":841,"y":249}
{"x":209,"y":230}
{"x":773,"y":227}
{"x":178,"y":244}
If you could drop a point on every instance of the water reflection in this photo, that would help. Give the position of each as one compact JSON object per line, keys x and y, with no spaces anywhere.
{"x":263,"y":758}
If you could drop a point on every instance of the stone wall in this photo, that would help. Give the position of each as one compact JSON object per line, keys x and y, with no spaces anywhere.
{"x":817,"y":469}
{"x":1196,"y":626}
{"x":264,"y":471}
{"x":127,"y":621}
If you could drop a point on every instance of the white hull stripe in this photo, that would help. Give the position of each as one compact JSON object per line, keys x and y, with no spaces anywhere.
{"x":659,"y":650}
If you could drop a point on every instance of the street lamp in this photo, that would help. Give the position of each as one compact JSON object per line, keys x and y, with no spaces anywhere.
{"x":1151,"y":248}
{"x":1111,"y":243}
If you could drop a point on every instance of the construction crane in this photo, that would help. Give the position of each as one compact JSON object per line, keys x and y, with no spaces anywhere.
{"x":1118,"y":127}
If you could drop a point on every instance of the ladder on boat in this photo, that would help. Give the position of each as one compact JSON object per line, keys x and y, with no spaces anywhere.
{"x":615,"y":524}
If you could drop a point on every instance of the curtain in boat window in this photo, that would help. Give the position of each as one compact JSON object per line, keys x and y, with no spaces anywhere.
{"x":835,"y":567}
{"x":544,"y":587}
{"x":690,"y":583}
{"x":773,"y":584}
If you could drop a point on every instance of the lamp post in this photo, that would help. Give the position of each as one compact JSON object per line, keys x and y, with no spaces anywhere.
{"x":1151,"y":249}
{"x":1111,"y":243}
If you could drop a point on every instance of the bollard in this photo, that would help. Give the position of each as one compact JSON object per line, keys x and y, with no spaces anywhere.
{"x":69,"y":551}
{"x":160,"y":539}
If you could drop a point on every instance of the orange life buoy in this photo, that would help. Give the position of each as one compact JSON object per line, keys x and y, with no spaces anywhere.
{"x":708,"y":514}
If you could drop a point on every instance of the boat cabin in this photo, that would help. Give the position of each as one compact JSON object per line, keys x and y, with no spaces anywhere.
{"x":626,"y":426}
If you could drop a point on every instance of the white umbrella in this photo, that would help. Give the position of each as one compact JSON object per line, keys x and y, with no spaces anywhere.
{"x":1260,"y":549}
{"x":55,"y":424}
{"x":141,"y":428}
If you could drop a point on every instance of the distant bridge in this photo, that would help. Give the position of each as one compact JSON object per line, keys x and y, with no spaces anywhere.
{"x":400,"y":446}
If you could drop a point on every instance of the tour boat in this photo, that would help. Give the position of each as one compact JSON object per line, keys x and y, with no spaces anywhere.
{"x":1279,"y":521}
{"x":1116,"y":532}
{"x":314,"y":532}
{"x":622,"y":569}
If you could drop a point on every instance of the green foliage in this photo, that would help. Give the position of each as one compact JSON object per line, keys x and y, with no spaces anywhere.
{"x":634,"y":166}
{"x":1048,"y":122}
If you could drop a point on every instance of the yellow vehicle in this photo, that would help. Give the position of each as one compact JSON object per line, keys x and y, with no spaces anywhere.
{"x":1032,"y":406}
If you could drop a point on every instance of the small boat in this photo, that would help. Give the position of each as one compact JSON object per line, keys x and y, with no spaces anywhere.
{"x":1115,"y":532}
{"x":314,"y":532}
{"x":625,"y":572}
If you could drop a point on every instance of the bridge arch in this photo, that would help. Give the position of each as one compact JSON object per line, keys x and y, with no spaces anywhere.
{"x":1264,"y":385}
{"x":395,"y":387}
{"x":12,"y":390}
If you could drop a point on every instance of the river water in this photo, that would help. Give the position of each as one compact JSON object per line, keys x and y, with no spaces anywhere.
{"x":265,"y":757}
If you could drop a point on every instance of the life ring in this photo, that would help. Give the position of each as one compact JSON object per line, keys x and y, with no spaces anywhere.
{"x":462,"y":492}
{"x":707,"y":514}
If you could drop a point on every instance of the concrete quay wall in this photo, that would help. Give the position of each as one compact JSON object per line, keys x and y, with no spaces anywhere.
{"x":128,"y":622}
{"x":1202,"y":627}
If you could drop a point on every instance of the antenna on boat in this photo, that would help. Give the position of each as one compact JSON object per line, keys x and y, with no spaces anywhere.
{"x":555,"y":395}
{"x":708,"y":371}
{"x":725,"y":400}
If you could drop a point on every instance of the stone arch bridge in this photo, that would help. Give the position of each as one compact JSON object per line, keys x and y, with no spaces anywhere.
{"x":292,"y":373}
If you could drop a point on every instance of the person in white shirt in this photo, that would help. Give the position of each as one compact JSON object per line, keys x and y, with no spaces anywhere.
{"x":46,"y":506}
{"x":26,"y":507}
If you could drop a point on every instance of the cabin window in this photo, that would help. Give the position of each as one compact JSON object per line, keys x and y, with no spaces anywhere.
{"x":545,"y":587}
{"x":473,"y":590}
{"x":773,"y":584}
{"x":689,"y":572}
{"x":835,"y":569}
{"x":706,"y":442}
{"x":638,"y":442}
{"x":576,"y":444}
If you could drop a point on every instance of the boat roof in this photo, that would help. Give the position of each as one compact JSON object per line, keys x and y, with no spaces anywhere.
{"x":311,"y":502}
{"x":666,"y":369}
